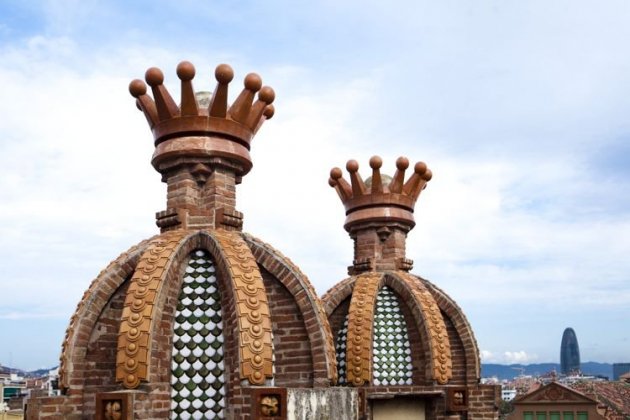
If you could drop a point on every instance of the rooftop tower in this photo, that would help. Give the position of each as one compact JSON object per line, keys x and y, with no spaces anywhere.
{"x":201,"y":320}
{"x":398,"y":337}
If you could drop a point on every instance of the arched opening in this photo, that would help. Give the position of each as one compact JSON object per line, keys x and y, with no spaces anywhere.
{"x":340,"y":351}
{"x":198,"y":379}
{"x":391,"y":349}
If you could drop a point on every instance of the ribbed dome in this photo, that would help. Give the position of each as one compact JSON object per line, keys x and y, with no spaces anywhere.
{"x":198,"y":316}
{"x":392,"y":327}
{"x":213,"y":307}
{"x":439,"y":336}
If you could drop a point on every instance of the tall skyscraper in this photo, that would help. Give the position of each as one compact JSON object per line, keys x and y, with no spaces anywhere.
{"x":569,"y":353}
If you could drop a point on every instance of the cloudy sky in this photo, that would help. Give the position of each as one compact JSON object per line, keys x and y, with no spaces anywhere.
{"x":520,"y":108}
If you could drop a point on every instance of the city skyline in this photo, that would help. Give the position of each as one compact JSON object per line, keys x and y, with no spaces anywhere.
{"x":522,"y":112}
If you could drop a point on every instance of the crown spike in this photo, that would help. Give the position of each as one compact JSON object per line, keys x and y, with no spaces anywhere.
{"x":186,"y":72}
{"x":341,"y":185}
{"x":268,"y":113}
{"x":166,"y":107}
{"x":417,"y":181}
{"x":218,"y":104}
{"x":395,"y":186}
{"x":358,"y":186}
{"x":138,"y":90}
{"x":377,"y":183}
{"x":242,"y":106}
{"x":265,"y":97}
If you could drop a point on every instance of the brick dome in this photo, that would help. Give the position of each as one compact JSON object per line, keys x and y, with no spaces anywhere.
{"x":398,"y":337}
{"x":191,"y":322}
{"x":391,"y":327}
{"x":269,"y":309}
{"x":414,"y":314}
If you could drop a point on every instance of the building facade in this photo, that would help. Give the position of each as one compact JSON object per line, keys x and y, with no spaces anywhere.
{"x":555,"y":402}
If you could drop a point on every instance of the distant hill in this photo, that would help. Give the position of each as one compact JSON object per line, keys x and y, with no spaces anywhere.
{"x":510,"y":371}
{"x":488,"y":370}
{"x":27,"y":374}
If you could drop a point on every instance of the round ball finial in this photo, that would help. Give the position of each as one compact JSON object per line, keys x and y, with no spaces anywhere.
{"x":402,"y":163}
{"x":420,"y":168}
{"x":335,"y":173}
{"x":224,"y":74}
{"x":332,"y":182}
{"x":376,"y":162}
{"x":137,"y":88}
{"x":185,"y":71}
{"x":154,"y":76}
{"x":427,"y":175}
{"x":352,"y":166}
{"x":267,"y":94}
{"x":269,"y":111}
{"x":253,"y":82}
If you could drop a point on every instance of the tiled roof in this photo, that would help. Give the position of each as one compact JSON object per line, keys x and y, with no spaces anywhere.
{"x":614,"y":395}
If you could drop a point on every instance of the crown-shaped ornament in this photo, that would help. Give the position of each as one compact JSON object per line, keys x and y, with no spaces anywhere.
{"x":380,"y":199}
{"x":194,"y":129}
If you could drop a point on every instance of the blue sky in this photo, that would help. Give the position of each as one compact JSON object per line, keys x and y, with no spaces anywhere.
{"x":521,"y":110}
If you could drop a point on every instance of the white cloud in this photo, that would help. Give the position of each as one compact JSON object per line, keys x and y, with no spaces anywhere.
{"x":514,"y":106}
{"x":487,"y":356}
{"x":512,"y":357}
{"x":508,"y":357}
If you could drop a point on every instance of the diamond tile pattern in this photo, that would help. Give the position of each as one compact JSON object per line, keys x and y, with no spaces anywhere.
{"x":391,"y":351}
{"x":198,"y":372}
{"x":340,"y":350}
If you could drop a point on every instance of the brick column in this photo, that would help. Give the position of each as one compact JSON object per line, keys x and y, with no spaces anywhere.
{"x":379,"y":247}
{"x":200,"y":195}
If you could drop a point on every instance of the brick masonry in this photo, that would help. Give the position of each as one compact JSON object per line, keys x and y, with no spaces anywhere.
{"x":482,"y":400}
{"x":292,"y":348}
{"x":299,"y":325}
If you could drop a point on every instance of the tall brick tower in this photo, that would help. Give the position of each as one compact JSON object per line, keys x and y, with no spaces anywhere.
{"x":399,"y":338}
{"x":202,"y":320}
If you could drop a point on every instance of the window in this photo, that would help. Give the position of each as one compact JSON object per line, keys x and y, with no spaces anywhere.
{"x":198,"y":389}
{"x":340,"y":350}
{"x":391,"y":351}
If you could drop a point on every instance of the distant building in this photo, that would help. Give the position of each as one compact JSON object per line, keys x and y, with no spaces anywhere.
{"x":12,"y":386}
{"x":508,"y":394}
{"x":555,"y":402}
{"x":569,"y":353}
{"x":620,"y":369}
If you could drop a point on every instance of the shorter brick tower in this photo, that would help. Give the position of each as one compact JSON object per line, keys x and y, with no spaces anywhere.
{"x":399,"y":338}
{"x":202,"y":320}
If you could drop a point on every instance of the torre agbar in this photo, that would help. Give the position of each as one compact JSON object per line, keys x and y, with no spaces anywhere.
{"x":205,"y":321}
